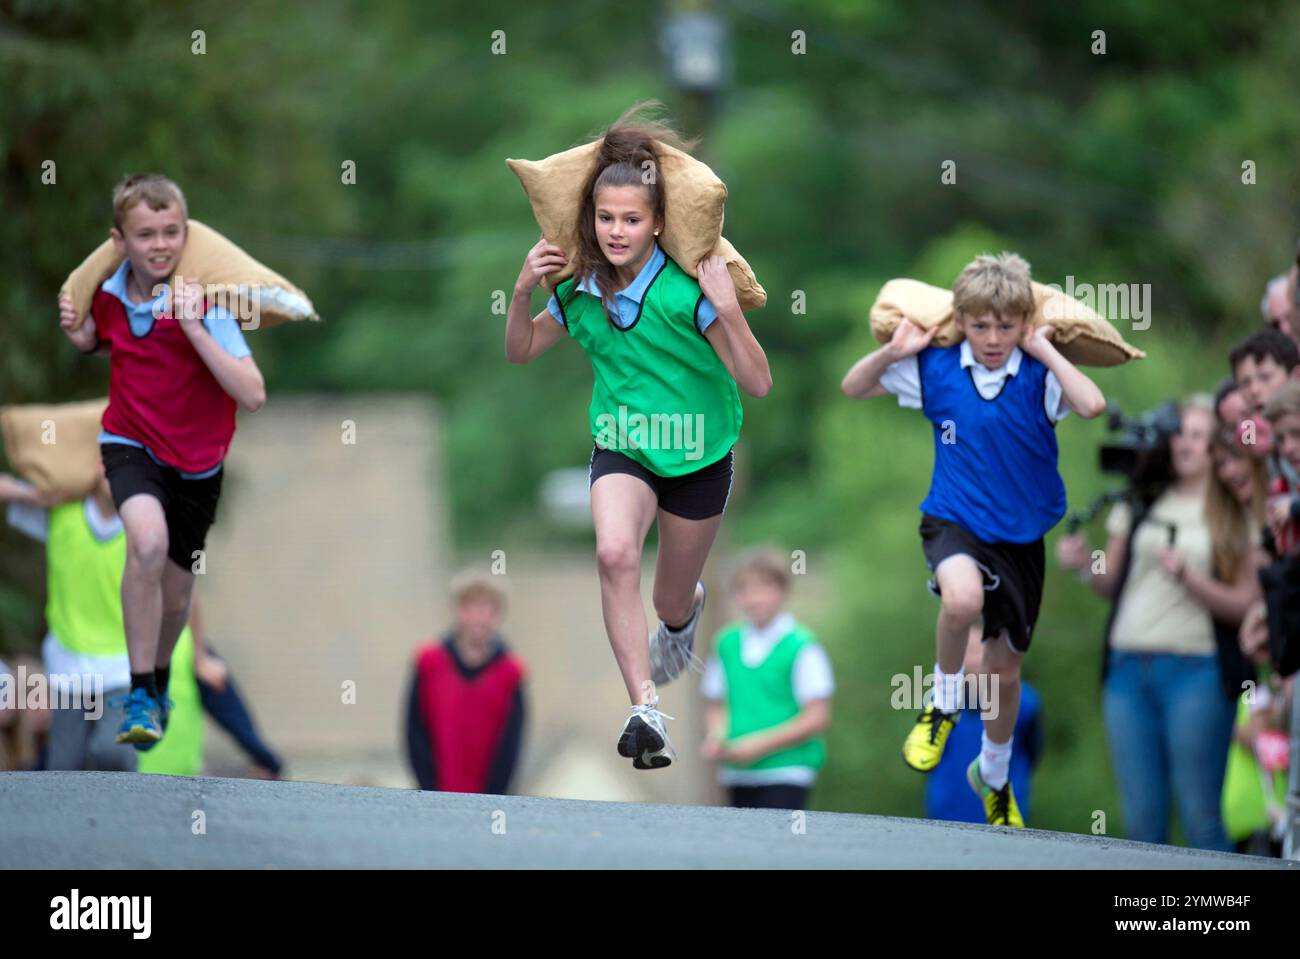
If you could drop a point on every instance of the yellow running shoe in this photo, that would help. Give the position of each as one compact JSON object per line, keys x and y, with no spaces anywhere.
{"x":924,"y":744}
{"x":999,"y":804}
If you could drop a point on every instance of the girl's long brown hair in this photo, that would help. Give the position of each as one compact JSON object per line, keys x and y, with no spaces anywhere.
{"x":1232,"y":523}
{"x":626,"y":151}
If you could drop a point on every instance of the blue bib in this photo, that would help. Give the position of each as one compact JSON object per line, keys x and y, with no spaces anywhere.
{"x":994,"y":460}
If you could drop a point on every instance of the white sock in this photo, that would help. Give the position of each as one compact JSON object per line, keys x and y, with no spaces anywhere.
{"x":947,"y":688}
{"x":995,"y":761}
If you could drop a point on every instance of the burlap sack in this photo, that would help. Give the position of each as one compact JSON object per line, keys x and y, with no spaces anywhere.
{"x":1083,"y":337}
{"x":55,"y":447}
{"x":692,"y":218}
{"x":255,"y":294}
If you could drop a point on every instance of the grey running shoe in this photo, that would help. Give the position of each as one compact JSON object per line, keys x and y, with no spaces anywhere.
{"x":671,"y":652}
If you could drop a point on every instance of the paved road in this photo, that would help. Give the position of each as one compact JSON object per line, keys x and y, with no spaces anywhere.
{"x":118,"y":820}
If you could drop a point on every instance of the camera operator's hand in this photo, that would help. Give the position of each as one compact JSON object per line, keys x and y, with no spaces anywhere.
{"x":1036,"y":339}
{"x":1072,"y":552}
{"x":1174,"y":562}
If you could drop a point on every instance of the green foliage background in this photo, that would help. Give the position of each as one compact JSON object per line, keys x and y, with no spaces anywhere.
{"x":1123,"y":167}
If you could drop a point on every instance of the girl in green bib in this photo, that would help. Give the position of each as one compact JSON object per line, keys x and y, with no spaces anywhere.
{"x":667,"y":355}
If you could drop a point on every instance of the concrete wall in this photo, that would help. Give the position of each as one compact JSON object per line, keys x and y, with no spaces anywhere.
{"x":325,"y":567}
{"x":329,"y":564}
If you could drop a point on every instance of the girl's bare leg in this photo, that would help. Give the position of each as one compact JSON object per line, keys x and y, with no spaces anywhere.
{"x":622,"y":508}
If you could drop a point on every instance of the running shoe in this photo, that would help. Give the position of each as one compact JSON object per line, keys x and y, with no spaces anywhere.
{"x":999,"y":804}
{"x":142,"y":722}
{"x":672,"y":652}
{"x":165,"y":707}
{"x":923,"y":747}
{"x":644,"y":738}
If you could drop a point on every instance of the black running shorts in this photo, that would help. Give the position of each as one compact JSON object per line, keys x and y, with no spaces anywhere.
{"x":1013,"y":576}
{"x":696,"y":495}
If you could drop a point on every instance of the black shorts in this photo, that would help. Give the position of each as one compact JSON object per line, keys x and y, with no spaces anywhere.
{"x":1013,"y":576}
{"x":696,"y":495}
{"x":190,"y":505}
{"x":772,"y":796}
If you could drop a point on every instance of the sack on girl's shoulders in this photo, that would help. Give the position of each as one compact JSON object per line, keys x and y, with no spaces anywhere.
{"x":255,"y":294}
{"x":1081,"y":334}
{"x":54,"y":447}
{"x":692,"y":216}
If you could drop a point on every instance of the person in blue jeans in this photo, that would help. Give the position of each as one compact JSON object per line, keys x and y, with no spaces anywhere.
{"x":1182,"y":577}
{"x":948,"y":795}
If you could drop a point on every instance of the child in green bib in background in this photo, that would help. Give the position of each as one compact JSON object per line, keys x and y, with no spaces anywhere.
{"x":768,"y":687}
{"x":667,"y":355}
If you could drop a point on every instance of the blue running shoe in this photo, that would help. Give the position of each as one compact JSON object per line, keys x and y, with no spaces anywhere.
{"x":165,"y":707}
{"x":142,"y":722}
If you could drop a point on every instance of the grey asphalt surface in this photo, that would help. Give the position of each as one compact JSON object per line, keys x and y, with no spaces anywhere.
{"x":81,"y":820}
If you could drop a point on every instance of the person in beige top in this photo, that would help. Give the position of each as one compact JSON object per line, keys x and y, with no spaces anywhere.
{"x":1181,"y":582}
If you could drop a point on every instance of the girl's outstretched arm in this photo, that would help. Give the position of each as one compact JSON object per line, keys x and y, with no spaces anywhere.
{"x":730,"y":334}
{"x":527,"y":338}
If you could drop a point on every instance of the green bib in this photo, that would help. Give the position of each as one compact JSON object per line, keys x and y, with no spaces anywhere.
{"x":661,"y":395}
{"x":762,"y":696}
{"x":84,"y":584}
{"x":1243,"y":807}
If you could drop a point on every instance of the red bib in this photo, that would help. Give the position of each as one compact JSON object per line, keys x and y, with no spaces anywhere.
{"x":466,"y":717}
{"x":161,"y":393}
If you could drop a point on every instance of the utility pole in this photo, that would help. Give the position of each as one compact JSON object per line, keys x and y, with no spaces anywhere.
{"x":694,"y":43}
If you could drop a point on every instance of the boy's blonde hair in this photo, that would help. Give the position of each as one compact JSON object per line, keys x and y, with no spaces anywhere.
{"x":470,"y":586}
{"x":1285,"y":402}
{"x":766,"y":561}
{"x":994,"y":284}
{"x":152,"y":188}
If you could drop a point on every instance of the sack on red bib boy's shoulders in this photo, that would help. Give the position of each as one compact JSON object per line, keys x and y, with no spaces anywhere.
{"x":255,"y":294}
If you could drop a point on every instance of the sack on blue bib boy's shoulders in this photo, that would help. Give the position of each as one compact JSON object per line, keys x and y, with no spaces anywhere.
{"x":1083,"y":336}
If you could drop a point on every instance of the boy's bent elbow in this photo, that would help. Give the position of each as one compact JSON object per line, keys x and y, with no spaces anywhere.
{"x":760,"y":390}
{"x":1094,"y":409}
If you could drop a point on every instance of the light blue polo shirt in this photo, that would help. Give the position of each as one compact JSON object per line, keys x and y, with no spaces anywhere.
{"x":218,"y":321}
{"x":629,"y":299}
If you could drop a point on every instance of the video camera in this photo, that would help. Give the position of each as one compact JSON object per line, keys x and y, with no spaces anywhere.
{"x":1140,"y":453}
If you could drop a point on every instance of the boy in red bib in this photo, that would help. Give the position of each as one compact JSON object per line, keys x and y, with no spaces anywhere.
{"x":175,"y":379}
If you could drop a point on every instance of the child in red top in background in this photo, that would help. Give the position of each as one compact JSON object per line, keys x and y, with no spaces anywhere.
{"x":175,"y":377}
{"x":465,"y":709}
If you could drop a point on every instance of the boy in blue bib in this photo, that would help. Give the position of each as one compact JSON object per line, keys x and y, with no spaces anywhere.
{"x":993,"y":401}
